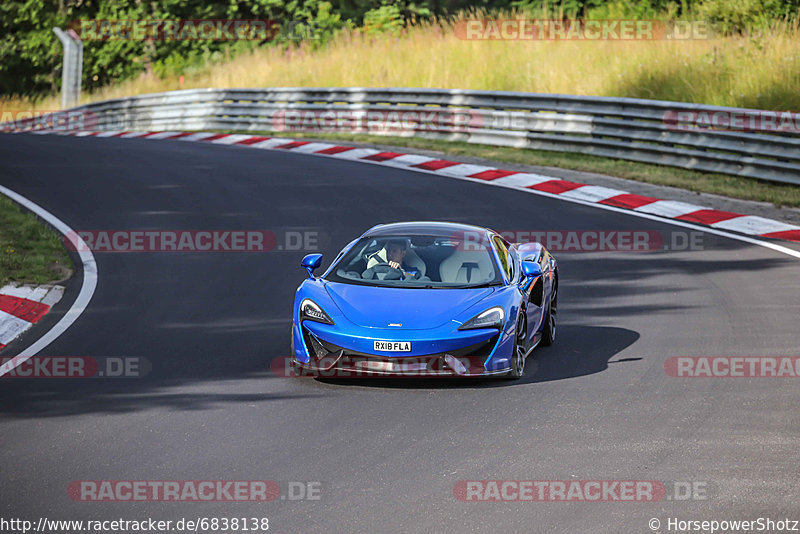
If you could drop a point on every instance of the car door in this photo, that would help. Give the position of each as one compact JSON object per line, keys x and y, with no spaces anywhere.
{"x":511,"y":263}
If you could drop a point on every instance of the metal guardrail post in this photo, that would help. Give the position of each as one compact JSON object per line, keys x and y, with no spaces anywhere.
{"x":72,"y":67}
{"x":78,"y":71}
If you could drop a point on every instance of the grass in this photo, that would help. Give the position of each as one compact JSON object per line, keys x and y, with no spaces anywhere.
{"x":30,"y":252}
{"x":700,"y":182}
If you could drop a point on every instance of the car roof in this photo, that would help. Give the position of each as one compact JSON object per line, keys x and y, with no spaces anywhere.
{"x":436,"y":228}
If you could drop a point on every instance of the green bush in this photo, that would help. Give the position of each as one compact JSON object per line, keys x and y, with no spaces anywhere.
{"x":733,"y":16}
{"x":385,"y":19}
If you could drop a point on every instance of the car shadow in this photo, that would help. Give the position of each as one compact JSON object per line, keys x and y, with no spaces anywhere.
{"x":578,"y":351}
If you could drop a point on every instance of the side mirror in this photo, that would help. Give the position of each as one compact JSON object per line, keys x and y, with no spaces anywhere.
{"x":531,"y":272}
{"x":531,"y":269}
{"x":311,"y":262}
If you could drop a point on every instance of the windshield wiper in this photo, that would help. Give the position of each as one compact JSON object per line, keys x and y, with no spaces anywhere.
{"x":477,"y":286}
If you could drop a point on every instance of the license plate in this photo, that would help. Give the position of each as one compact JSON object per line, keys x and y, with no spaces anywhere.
{"x":393,"y":346}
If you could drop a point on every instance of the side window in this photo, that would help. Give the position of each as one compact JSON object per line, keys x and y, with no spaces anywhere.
{"x":505,"y":261}
{"x":513,"y":262}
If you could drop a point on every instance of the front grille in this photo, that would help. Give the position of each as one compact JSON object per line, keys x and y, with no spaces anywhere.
{"x":472,"y":357}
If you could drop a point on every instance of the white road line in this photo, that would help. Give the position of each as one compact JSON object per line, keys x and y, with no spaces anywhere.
{"x":84,"y":295}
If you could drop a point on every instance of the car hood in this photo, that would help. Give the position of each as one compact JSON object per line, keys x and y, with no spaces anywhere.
{"x":378,"y":307}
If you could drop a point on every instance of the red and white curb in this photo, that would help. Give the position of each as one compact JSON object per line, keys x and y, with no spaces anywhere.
{"x":23,"y":306}
{"x":549,"y":185}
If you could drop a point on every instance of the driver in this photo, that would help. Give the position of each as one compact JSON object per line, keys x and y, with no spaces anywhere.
{"x":393,"y":253}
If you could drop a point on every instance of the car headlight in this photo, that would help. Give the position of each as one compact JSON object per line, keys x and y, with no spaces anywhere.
{"x":491,"y":318}
{"x":311,"y":311}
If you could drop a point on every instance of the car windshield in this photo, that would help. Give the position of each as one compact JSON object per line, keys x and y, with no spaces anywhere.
{"x":418,"y":261}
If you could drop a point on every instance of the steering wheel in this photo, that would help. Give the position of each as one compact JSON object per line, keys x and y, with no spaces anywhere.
{"x":390,"y":272}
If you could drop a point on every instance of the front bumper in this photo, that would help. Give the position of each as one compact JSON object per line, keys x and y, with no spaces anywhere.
{"x":470,"y":353}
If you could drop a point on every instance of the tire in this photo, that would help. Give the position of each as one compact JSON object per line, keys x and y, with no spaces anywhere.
{"x":550,"y":320}
{"x":518,"y":358}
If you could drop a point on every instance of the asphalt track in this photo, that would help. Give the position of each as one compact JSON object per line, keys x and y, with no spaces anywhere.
{"x":597,"y":405}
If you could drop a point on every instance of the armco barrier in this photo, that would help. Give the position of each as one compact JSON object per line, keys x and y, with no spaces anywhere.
{"x":649,"y":131}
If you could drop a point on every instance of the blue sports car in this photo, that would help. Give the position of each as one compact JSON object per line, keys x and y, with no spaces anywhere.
{"x":425,"y":299}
